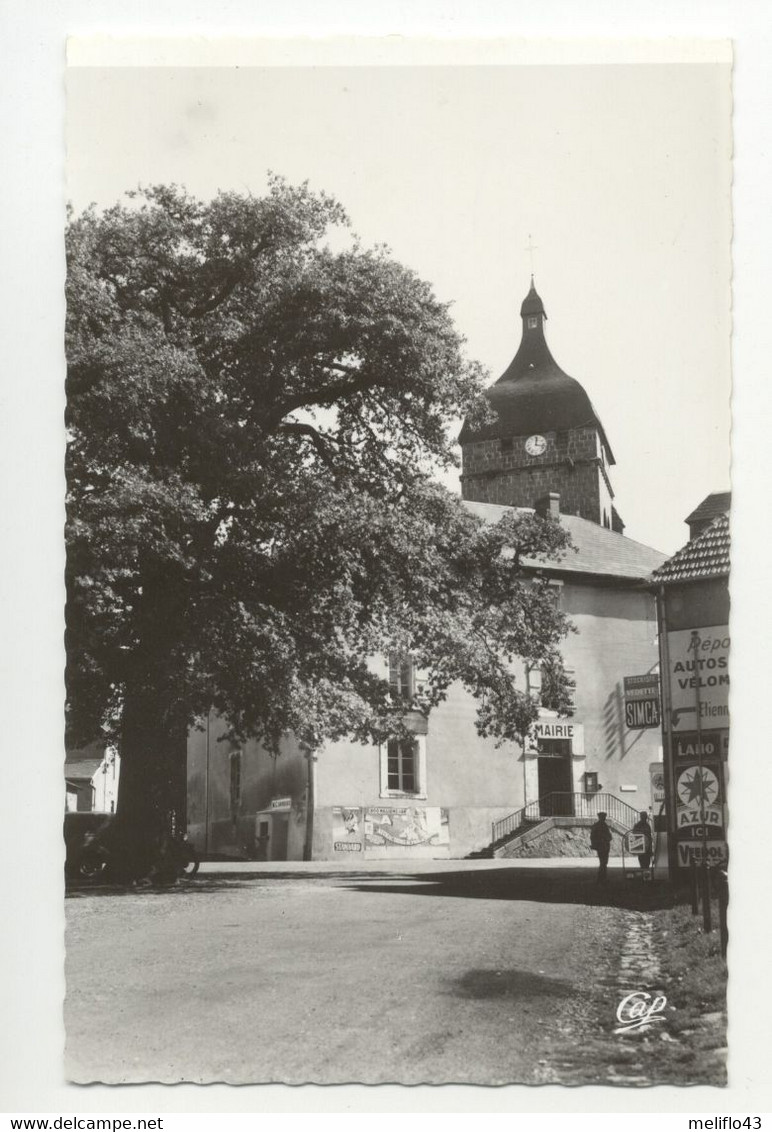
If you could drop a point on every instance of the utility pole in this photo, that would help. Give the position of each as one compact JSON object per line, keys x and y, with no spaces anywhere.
{"x":206,"y":789}
{"x":704,"y":874}
{"x":308,"y":847}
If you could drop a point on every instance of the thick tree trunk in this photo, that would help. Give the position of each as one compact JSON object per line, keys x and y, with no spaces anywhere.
{"x":151,"y":795}
{"x":152,"y":788}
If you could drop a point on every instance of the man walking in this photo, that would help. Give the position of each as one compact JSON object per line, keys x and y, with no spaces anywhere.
{"x":600,"y":841}
{"x":642,"y":826}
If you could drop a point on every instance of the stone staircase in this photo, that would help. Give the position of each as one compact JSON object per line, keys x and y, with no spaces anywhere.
{"x":558,"y":825}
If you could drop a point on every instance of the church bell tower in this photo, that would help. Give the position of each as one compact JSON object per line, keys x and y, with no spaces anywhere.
{"x":546,"y":438}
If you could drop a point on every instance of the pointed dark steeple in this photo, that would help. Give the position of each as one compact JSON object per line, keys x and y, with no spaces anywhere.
{"x":532,"y":304}
{"x":534,"y":395}
{"x":546,"y":437}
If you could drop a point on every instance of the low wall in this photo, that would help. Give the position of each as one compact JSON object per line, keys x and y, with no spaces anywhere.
{"x":558,"y":837}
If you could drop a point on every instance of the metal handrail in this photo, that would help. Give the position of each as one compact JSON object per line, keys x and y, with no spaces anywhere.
{"x":564,"y":804}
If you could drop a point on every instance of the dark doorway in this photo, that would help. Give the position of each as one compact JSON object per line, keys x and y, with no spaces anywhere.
{"x":262,"y":841}
{"x":279,"y":839}
{"x":555,"y":778}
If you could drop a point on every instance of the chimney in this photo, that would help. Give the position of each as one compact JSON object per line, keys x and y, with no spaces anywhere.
{"x":548,"y":506}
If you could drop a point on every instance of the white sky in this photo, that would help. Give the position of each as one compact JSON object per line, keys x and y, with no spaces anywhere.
{"x":620,"y":173}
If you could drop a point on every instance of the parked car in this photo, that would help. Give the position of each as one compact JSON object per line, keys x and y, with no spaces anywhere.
{"x":80,"y":829}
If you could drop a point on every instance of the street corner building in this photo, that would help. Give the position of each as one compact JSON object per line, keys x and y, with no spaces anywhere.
{"x":446,"y":792}
{"x":692,"y":591}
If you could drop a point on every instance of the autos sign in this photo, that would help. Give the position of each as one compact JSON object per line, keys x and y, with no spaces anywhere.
{"x":699,"y":677}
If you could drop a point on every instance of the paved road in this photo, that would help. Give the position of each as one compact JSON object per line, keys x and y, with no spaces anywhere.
{"x":464,"y":972}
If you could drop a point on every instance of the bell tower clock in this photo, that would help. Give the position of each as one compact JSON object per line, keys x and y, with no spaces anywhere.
{"x":536,"y":445}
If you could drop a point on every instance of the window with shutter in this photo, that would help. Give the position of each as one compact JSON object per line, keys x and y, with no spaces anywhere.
{"x":401,"y":677}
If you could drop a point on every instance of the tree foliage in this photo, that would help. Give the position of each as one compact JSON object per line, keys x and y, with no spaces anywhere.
{"x":254,"y":421}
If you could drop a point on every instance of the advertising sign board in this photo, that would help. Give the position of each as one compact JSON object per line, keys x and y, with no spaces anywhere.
{"x":636,"y":843}
{"x":657,"y":779}
{"x":347,"y":830}
{"x":699,"y":672}
{"x":699,"y":809}
{"x":708,"y":745}
{"x":696,"y":850}
{"x":400,"y":826}
{"x":564,"y":729}
{"x":642,"y":703}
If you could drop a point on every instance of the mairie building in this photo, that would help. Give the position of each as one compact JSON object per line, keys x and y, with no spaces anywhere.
{"x":447,"y":792}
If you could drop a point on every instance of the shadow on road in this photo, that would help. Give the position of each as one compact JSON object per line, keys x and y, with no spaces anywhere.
{"x":517,"y":984}
{"x":551,"y":885}
{"x":225,"y":882}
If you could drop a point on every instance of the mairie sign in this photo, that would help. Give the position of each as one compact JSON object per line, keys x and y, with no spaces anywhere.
{"x":642,"y":701}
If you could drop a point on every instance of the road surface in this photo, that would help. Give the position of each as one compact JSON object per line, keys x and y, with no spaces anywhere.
{"x":467,"y":972}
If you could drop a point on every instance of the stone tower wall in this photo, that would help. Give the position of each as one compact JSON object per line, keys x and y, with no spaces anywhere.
{"x":495,"y":471}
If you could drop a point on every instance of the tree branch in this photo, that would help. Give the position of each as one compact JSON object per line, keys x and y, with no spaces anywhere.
{"x":321,"y":395}
{"x":319,"y":442}
{"x":233,"y":278}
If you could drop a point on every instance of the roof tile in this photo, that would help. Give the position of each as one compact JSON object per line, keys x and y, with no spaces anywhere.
{"x":598,"y":551}
{"x":717,"y":503}
{"x":707,"y":556}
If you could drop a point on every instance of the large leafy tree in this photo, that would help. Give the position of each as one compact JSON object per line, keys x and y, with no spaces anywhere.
{"x":254,"y":420}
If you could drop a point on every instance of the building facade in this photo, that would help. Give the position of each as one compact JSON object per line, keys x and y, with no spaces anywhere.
{"x":692,"y":591}
{"x":448,"y":792}
{"x":91,"y":777}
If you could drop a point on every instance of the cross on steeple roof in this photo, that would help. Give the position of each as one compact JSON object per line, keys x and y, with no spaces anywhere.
{"x":531,"y":248}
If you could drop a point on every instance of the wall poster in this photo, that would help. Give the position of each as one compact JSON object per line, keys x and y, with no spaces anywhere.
{"x":347,"y":829}
{"x":405,"y":826}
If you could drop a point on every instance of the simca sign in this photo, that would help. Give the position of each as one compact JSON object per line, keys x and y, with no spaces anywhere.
{"x":642,"y":704}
